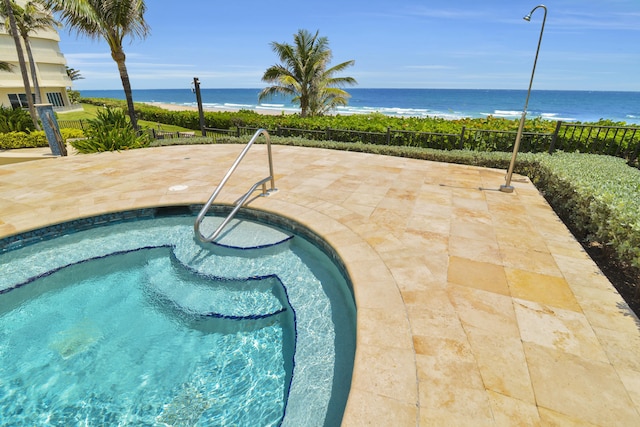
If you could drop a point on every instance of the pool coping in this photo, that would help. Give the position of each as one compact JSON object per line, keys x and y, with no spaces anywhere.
{"x":474,"y":306}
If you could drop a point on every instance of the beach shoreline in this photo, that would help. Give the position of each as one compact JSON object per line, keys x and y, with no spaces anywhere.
{"x":225,"y":109}
{"x":450,"y":104}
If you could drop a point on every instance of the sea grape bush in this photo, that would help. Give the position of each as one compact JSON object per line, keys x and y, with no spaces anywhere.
{"x":480,"y":134}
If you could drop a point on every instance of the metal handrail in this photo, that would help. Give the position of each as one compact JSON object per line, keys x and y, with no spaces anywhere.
{"x":241,"y":200}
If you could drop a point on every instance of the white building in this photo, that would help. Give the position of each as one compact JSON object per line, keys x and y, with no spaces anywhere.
{"x":50,"y":69}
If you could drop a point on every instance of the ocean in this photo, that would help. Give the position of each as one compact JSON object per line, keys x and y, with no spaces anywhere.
{"x":582,"y":106}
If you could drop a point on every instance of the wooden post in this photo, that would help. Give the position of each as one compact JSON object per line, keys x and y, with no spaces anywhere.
{"x":554,"y":137}
{"x":196,"y":89}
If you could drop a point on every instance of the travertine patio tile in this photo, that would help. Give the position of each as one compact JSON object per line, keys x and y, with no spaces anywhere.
{"x":547,"y":290}
{"x":631,"y":380}
{"x":410,"y":276}
{"x":476,"y":307}
{"x":552,"y":418}
{"x":509,"y":412}
{"x":433,"y":300}
{"x":438,"y":264}
{"x":621,"y":348}
{"x":396,"y":372}
{"x":453,"y":404}
{"x":428,"y":223}
{"x":368,"y":409}
{"x":529,"y":260}
{"x":419,"y":242}
{"x":385,"y":327}
{"x":484,"y":310}
{"x":502,"y":364}
{"x":430,"y":417}
{"x":561,"y":330}
{"x":378,"y":294}
{"x":389,"y":218}
{"x":439,"y":322}
{"x":364,"y":197}
{"x":472,"y":230}
{"x":479,"y":275}
{"x":7,"y":229}
{"x":583,"y":389}
{"x":476,"y":250}
{"x":568,"y":248}
{"x":474,"y":206}
{"x":582,"y":272}
{"x":524,"y":238}
{"x":380,"y":240}
{"x":605,"y":308}
{"x":471,"y":216}
{"x":434,"y":197}
{"x":444,"y":365}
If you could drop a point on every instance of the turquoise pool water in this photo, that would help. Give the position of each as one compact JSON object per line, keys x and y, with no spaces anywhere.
{"x":136,"y":323}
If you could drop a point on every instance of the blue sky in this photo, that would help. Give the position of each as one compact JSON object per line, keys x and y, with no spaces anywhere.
{"x":468,"y":44}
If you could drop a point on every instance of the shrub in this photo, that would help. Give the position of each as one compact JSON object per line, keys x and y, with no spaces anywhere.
{"x":16,"y":120}
{"x":599,"y":196}
{"x":110,"y":131}
{"x":74,"y":96}
{"x":68,"y":133}
{"x":13,"y":140}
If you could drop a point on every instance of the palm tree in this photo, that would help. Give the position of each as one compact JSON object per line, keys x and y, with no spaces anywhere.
{"x":30,"y":18}
{"x":303,"y":75}
{"x":5,"y":66}
{"x":74,"y":74}
{"x":111,"y":20}
{"x":7,"y":11}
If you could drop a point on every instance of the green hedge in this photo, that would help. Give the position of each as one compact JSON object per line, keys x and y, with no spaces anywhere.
{"x":33,"y":139}
{"x":375,"y":122}
{"x":599,"y":196}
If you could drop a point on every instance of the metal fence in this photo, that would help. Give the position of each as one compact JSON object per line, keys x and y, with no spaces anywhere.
{"x":73,"y":124}
{"x":620,"y":141}
{"x":611,"y":140}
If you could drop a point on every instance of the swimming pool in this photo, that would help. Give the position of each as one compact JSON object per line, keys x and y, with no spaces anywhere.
{"x":139,"y":324}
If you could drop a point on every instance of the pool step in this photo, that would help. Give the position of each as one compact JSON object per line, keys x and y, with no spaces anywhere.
{"x":242,"y":234}
{"x":199,"y":295}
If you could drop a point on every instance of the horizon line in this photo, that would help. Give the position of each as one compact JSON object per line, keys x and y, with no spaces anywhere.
{"x":385,"y":88}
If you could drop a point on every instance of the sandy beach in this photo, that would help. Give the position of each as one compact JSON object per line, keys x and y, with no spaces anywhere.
{"x":177,"y":107}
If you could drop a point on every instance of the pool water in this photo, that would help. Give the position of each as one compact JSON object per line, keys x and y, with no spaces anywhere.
{"x":138,"y":324}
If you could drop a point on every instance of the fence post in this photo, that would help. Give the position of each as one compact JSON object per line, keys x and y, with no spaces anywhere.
{"x":196,"y":86}
{"x":238,"y":131}
{"x":634,"y":156}
{"x":461,"y":144}
{"x":554,"y":137}
{"x":388,"y":135}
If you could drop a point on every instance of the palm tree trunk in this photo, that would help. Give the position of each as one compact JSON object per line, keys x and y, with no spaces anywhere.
{"x":32,"y":67}
{"x":120,"y":57}
{"x":23,"y":65}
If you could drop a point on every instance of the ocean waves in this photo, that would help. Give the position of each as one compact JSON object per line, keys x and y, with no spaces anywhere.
{"x":583,"y":106}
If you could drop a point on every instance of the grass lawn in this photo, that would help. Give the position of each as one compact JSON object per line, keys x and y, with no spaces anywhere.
{"x":89,"y":112}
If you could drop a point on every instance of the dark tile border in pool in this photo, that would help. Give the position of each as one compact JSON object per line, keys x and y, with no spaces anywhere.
{"x":34,"y":236}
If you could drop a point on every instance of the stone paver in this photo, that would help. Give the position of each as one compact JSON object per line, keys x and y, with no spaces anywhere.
{"x":475,"y":307}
